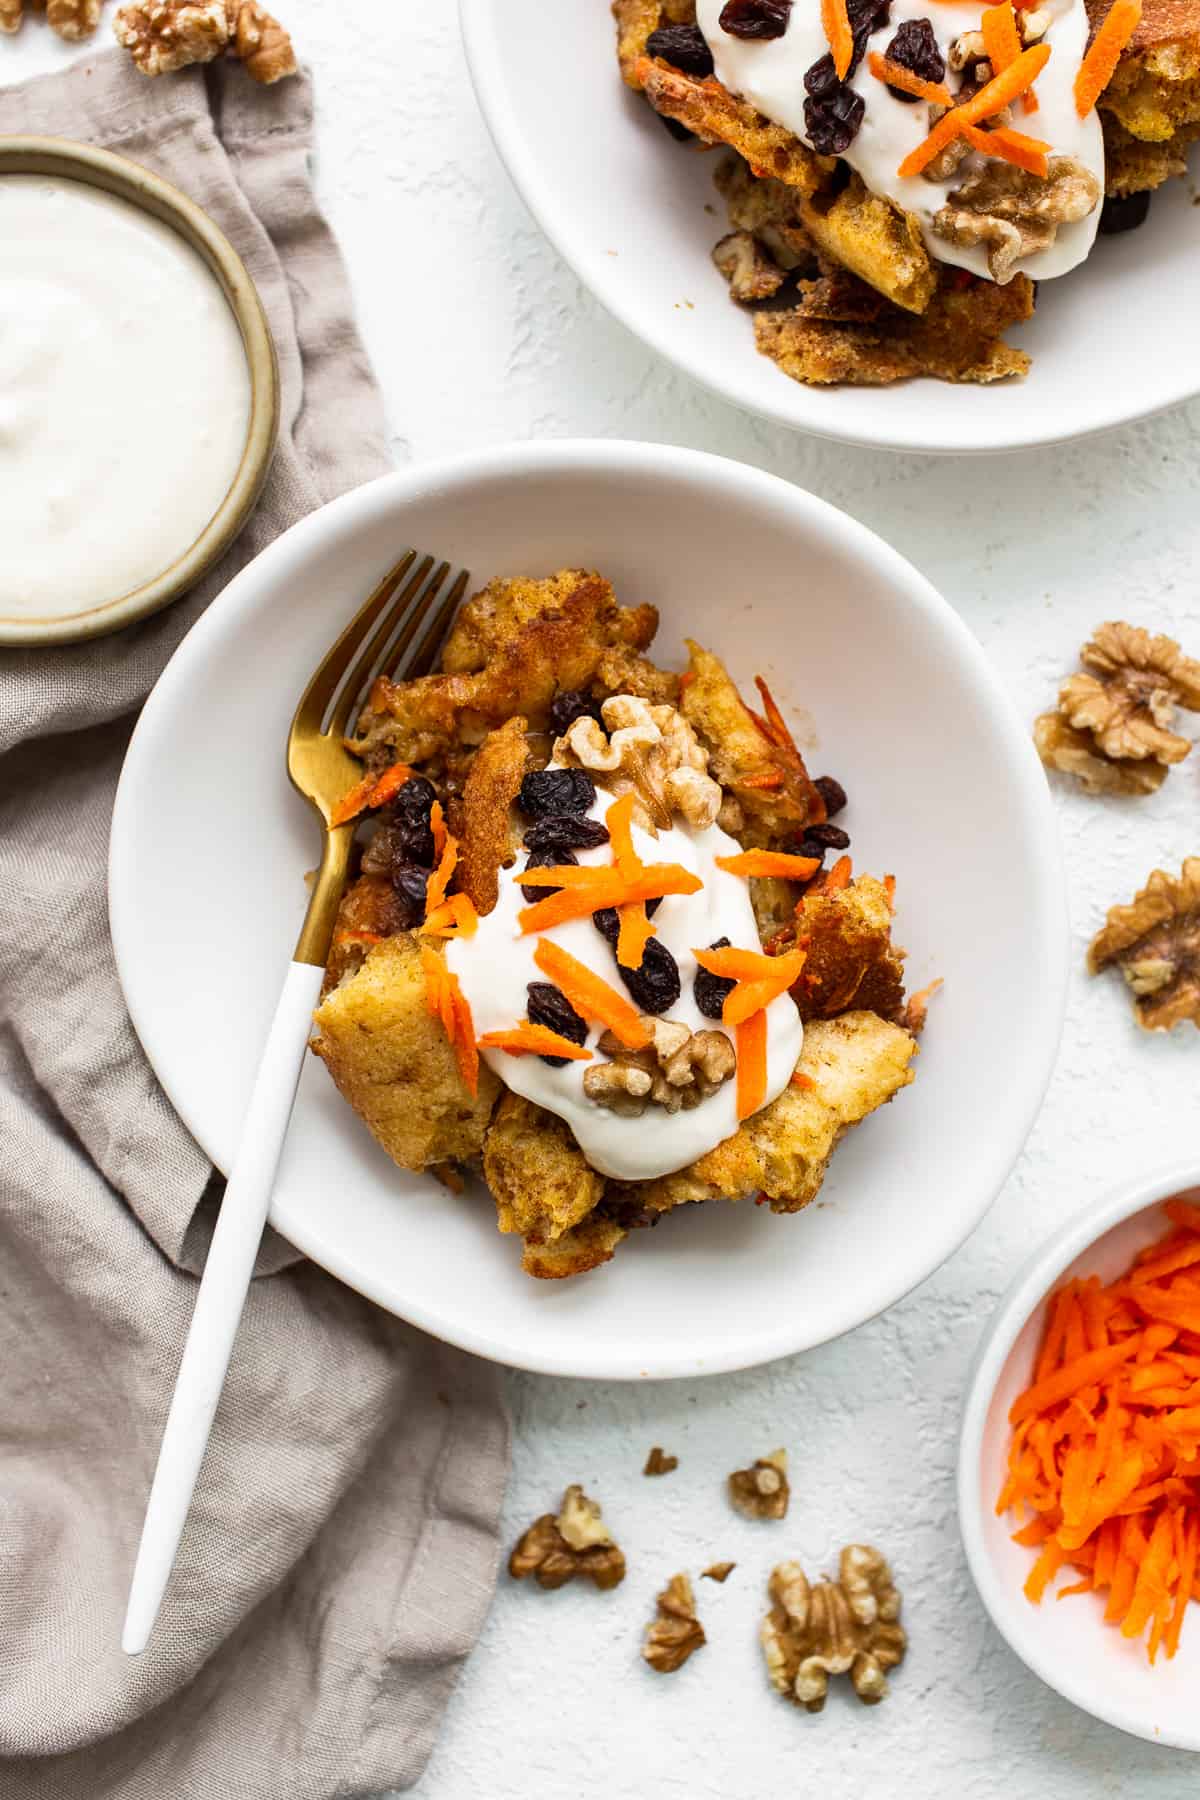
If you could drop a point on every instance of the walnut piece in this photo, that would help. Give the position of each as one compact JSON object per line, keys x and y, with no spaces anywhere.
{"x":678,"y":1070}
{"x":762,"y":1491}
{"x":72,"y":19}
{"x":676,"y":1633}
{"x":747,"y":268}
{"x":658,"y":1463}
{"x":11,"y":14}
{"x":1074,"y":752}
{"x":1128,"y":696}
{"x":1155,"y":942}
{"x":576,"y":1543}
{"x":1015,"y":214}
{"x":652,"y":750}
{"x":165,"y":35}
{"x":718,"y":1571}
{"x":848,"y":1626}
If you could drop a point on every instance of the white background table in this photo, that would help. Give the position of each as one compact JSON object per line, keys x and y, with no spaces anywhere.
{"x":480,"y":334}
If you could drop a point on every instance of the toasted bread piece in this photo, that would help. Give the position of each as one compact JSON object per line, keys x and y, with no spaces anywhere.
{"x":716,"y":116}
{"x":851,"y":961}
{"x":857,"y":1062}
{"x":865,"y":233}
{"x":493,"y":618}
{"x":584,"y":1247}
{"x":392,"y":1062}
{"x":541,"y":1181}
{"x":1155,"y":90}
{"x":489,"y":838}
{"x":1134,"y":167}
{"x":737,"y":750}
{"x":636,"y":19}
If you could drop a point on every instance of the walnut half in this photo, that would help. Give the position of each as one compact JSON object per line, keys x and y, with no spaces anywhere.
{"x":1155,"y":942}
{"x":1127,"y":697}
{"x":762,"y":1491}
{"x":652,"y":750}
{"x":676,"y":1633}
{"x":555,"y":1550}
{"x":679,"y":1069}
{"x":1015,"y":214}
{"x":845,"y":1627}
{"x":165,"y":35}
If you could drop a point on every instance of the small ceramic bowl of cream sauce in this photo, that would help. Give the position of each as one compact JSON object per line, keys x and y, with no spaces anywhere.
{"x":139,"y":392}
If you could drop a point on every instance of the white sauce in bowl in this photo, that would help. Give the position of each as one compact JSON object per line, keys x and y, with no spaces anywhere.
{"x":770,"y":74}
{"x":124,"y":397}
{"x":495,"y":966}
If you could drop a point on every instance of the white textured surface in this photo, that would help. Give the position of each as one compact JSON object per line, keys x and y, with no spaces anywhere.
{"x":479,"y":335}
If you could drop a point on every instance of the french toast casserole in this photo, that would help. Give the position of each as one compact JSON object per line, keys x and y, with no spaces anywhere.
{"x":899,"y":175}
{"x":605,"y":946}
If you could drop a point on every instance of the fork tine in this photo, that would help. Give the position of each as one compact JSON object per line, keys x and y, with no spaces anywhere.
{"x":407,"y":612}
{"x":316,"y":697}
{"x":425,"y":655}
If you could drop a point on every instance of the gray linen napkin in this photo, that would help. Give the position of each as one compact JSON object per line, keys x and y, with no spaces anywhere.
{"x":342,"y":1548}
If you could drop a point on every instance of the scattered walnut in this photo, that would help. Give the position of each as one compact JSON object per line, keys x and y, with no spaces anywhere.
{"x":657,"y":1463}
{"x":1074,"y":752}
{"x":676,"y":1633}
{"x":165,"y":35}
{"x":837,"y":1627}
{"x":678,"y":1070}
{"x":72,"y":19}
{"x":718,"y":1571}
{"x":1155,"y":942}
{"x":747,"y":268}
{"x":651,"y":750}
{"x":762,"y":1491}
{"x":1127,"y":699}
{"x":11,"y":14}
{"x":966,"y":49}
{"x":556,"y":1550}
{"x":1033,"y":23}
{"x":1015,"y":213}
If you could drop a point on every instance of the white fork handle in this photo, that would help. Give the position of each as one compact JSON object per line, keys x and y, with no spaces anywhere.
{"x":220,"y":1300}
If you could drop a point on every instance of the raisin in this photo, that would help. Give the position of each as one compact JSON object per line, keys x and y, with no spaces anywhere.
{"x":556,"y":791}
{"x":565,"y":831}
{"x":408,"y":816}
{"x":819,"y":838}
{"x":820,"y":80}
{"x":712,"y":991}
{"x":545,"y":859}
{"x":832,"y":125}
{"x":915,"y":48}
{"x":684,"y":47}
{"x":395,"y":847}
{"x":577,"y":703}
{"x":656,"y":985}
{"x":550,"y":1007}
{"x":755,"y":18}
{"x":410,"y":883}
{"x":1124,"y":213}
{"x":832,"y":793}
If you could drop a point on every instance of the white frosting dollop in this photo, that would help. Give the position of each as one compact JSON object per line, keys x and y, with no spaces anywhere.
{"x":770,"y":74}
{"x":495,"y":966}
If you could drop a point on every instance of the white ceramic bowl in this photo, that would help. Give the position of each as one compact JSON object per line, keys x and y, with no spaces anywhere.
{"x":210,"y":846}
{"x":626,"y":207}
{"x":1069,"y":1646}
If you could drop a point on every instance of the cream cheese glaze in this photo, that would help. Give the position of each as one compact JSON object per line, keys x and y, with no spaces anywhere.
{"x":770,"y":74}
{"x":495,"y":966}
{"x":124,"y":396}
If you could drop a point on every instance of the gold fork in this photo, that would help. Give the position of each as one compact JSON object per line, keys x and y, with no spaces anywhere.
{"x":377,"y":641}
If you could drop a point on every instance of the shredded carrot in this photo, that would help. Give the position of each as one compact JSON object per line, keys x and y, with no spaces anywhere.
{"x":358,"y":937}
{"x":1104,"y":1462}
{"x":439,"y":881}
{"x":685,"y":681}
{"x":1104,"y":53}
{"x":760,"y":979}
{"x":1011,"y":146}
{"x":769,"y":862}
{"x":601,"y":887}
{"x":839,"y":36}
{"x":897,"y":76}
{"x":635,"y":933}
{"x":371,"y":791}
{"x":889,"y":888}
{"x":533,"y":1040}
{"x":590,"y":995}
{"x":1001,"y":91}
{"x":751,"y":1064}
{"x":455,"y":917}
{"x":1001,"y":39}
{"x":619,"y":819}
{"x":766,"y":778}
{"x":464,"y":1039}
{"x":774,"y":727}
{"x":446,"y":1001}
{"x":802,"y":1081}
{"x":738,"y":965}
{"x":437,"y":824}
{"x":833,"y":880}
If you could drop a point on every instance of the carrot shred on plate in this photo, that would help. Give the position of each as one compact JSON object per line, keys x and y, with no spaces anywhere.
{"x":437,"y":824}
{"x":1014,"y":147}
{"x":446,"y":1001}
{"x":751,"y":1038}
{"x":590,"y":994}
{"x":889,"y":888}
{"x":836,"y":24}
{"x":1001,"y":91}
{"x":802,"y":1081}
{"x":894,"y":74}
{"x":455,"y":917}
{"x":587,"y":890}
{"x":439,"y":881}
{"x":765,"y":778}
{"x":619,"y":820}
{"x":1001,"y":39}
{"x":1104,"y":1463}
{"x":370,"y":792}
{"x":760,"y":979}
{"x":1104,"y":53}
{"x":635,"y":933}
{"x":525,"y":1039}
{"x":833,"y":880}
{"x":762,"y":863}
{"x":358,"y":937}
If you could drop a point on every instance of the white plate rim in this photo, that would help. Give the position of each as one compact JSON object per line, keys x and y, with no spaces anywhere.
{"x":1028,"y":1290}
{"x":478,"y":22}
{"x":602,"y":456}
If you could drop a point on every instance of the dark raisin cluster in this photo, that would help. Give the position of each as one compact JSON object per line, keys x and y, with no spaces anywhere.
{"x":833,"y":112}
{"x":1124,"y":213}
{"x":656,"y":985}
{"x":574,"y":703}
{"x":711,"y":991}
{"x":915,"y":48}
{"x":832,"y":793}
{"x":566,"y":831}
{"x":545,"y":791}
{"x":684,"y":47}
{"x":815,"y":840}
{"x":550,"y":1007}
{"x":755,"y":18}
{"x":402,"y":847}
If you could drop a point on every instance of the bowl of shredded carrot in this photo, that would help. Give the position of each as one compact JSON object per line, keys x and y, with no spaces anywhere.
{"x":1079,"y":1472}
